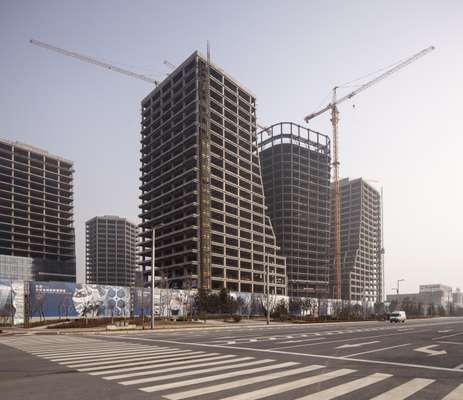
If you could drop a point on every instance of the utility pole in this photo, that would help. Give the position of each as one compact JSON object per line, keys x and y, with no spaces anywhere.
{"x":337,"y":195}
{"x":153,"y":250}
{"x":268,"y":289}
{"x":398,"y":287}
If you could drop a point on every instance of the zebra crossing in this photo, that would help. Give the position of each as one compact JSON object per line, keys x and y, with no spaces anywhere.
{"x":174,"y":373}
{"x":301,"y":337}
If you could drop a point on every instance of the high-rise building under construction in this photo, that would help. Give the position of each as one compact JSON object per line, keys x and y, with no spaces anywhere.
{"x":201,"y":186}
{"x":296,"y":174}
{"x":361,"y":242}
{"x":110,"y":247}
{"x":37,"y":239}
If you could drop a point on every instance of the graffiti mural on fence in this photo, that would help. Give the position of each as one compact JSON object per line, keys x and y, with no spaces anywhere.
{"x":63,"y":299}
{"x":11,"y":302}
{"x":167,"y":303}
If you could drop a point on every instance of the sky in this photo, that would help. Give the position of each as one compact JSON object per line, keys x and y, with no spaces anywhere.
{"x":404,"y":132}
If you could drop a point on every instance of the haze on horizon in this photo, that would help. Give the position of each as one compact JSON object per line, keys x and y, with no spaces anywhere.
{"x":404,"y":132}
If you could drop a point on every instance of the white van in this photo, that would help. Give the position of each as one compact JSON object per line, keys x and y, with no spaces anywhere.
{"x":398,"y":316}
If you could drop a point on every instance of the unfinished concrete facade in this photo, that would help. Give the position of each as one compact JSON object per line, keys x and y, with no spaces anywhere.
{"x":361,"y":247}
{"x":111,"y":245}
{"x":36,"y":214}
{"x":296,"y":174}
{"x":201,"y":185}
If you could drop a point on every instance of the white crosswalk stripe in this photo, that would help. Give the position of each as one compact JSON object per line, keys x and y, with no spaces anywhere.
{"x":176,"y":373}
{"x":195,"y":357}
{"x":239,"y":383}
{"x":406,"y":390}
{"x":177,"y":368}
{"x":197,"y":372}
{"x":345,"y":388}
{"x":166,"y":354}
{"x":120,"y":353}
{"x":456,"y":394}
{"x":286,"y":387}
{"x":173,"y":385}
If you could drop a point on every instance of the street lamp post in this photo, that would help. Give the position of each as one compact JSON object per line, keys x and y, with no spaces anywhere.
{"x":153,"y":249}
{"x":268,"y":289}
{"x":398,"y":288}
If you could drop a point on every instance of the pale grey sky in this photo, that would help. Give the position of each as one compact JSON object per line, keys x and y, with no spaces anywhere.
{"x":404,"y":132}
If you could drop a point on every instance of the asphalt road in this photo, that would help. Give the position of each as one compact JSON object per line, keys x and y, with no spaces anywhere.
{"x":421,"y":359}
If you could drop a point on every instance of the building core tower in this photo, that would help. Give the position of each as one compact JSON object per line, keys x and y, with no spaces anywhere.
{"x":111,"y":244}
{"x":361,"y":245}
{"x":296,"y":174}
{"x":201,"y":186}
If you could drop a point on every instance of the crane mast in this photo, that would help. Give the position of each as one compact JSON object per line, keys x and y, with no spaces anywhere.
{"x":334,"y":122}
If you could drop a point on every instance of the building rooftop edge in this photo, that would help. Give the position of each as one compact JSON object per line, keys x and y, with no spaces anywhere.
{"x":111,"y":217}
{"x":197,"y":53}
{"x":35,"y":149}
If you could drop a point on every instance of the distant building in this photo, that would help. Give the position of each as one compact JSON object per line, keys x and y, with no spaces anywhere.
{"x":296,"y":175}
{"x":111,"y":251}
{"x":201,"y":186}
{"x":361,"y":247}
{"x":436,"y":295}
{"x":36,"y":214}
{"x":458,"y":298}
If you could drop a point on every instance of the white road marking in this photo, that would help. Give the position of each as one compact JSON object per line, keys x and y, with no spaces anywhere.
{"x":445,"y":331}
{"x":138,"y":358}
{"x":322,"y":356}
{"x":177,"y":368}
{"x":150,"y":361}
{"x":72,"y":350}
{"x":198,"y":372}
{"x":428,"y":350}
{"x":448,"y":342}
{"x":115,"y":355}
{"x":239,"y":383}
{"x":459,"y":366}
{"x":285,"y":387}
{"x":377,"y":350}
{"x":405,"y":390}
{"x":162,"y":364}
{"x":302,"y":340}
{"x":90,"y":351}
{"x":448,"y":336}
{"x":347,"y":346}
{"x":456,"y":394}
{"x":173,"y":385}
{"x":345,"y":388}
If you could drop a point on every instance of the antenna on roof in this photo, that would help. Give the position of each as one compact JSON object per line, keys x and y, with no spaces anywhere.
{"x":208,"y":52}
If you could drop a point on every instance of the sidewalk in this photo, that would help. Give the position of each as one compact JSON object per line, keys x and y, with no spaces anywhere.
{"x":179,"y":326}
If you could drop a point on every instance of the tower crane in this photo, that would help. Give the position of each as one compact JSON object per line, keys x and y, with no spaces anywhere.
{"x":333,"y":107}
{"x":93,"y":61}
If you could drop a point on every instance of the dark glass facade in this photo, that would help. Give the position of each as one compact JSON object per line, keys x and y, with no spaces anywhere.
{"x":111,"y":244}
{"x":296,"y":174}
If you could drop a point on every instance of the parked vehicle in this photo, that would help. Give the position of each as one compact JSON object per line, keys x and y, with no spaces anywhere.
{"x":398,"y":316}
